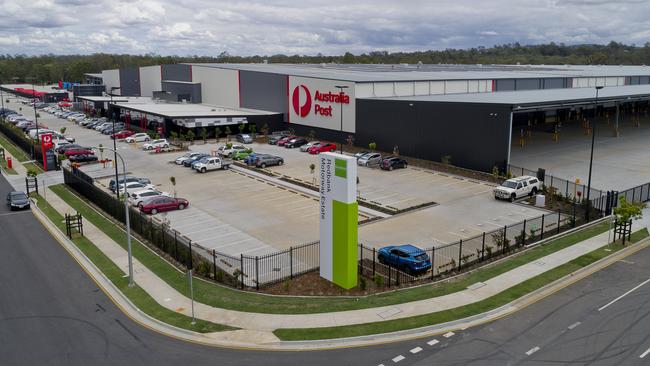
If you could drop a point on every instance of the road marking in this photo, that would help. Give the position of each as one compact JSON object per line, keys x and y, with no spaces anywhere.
{"x":622,"y":296}
{"x":416,"y":350}
{"x":433,"y":342}
{"x":626,"y":261}
{"x":398,"y":358}
{"x":531,"y":351}
{"x":448,"y":334}
{"x":572,"y":326}
{"x":645,"y":353}
{"x":14,"y":213}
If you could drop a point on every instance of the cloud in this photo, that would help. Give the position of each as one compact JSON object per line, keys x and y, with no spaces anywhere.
{"x":205,"y":27}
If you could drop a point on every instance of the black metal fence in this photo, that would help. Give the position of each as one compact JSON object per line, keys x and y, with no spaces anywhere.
{"x":564,"y":187}
{"x":17,"y":136}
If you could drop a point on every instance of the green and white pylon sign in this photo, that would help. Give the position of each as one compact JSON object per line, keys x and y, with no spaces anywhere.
{"x":338,"y":219}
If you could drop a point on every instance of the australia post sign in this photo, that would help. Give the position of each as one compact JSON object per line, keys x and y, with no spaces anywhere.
{"x":318,"y":103}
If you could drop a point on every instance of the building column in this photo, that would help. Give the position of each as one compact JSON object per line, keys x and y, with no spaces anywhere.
{"x":616,"y":120}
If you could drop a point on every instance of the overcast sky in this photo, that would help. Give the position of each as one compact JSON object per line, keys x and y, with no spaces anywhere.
{"x":331,"y":27}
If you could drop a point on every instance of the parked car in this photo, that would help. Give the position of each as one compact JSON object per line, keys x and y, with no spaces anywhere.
{"x":122,"y":134}
{"x":268,"y":160}
{"x":78,"y":151}
{"x":138,"y":137}
{"x":407,"y":258}
{"x":273,"y":140}
{"x":241,"y":155}
{"x":161,"y":203}
{"x":306,"y":146}
{"x":82,"y":158}
{"x":188,"y":162}
{"x":160,"y":143}
{"x":251,"y":159}
{"x":141,"y":195}
{"x":322,"y":147}
{"x":285,"y":139}
{"x":136,"y":185}
{"x":244,"y":138}
{"x":111,"y":184}
{"x":369,"y":159}
{"x":514,"y":188}
{"x":224,"y":150}
{"x":361,"y":153}
{"x":102,"y":125}
{"x":179,"y":160}
{"x":17,"y":200}
{"x":297,"y":142}
{"x":393,"y":162}
{"x":212,"y":163}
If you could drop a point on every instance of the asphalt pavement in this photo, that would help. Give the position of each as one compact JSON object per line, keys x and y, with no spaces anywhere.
{"x":52,"y":313}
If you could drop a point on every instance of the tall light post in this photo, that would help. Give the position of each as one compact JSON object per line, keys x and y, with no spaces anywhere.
{"x":591,"y":158}
{"x":341,"y":87}
{"x":117,"y":186}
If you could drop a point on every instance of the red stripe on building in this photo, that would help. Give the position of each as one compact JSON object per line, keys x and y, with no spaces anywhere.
{"x":191,"y":79}
{"x":494,"y":85}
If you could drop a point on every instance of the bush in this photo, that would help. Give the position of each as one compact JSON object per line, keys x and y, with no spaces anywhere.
{"x":446,"y":159}
{"x":372,"y":146}
{"x":378,"y":279}
{"x":362,"y":283}
{"x":32,"y":172}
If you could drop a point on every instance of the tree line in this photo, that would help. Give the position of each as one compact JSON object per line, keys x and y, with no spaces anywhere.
{"x":51,"y":68}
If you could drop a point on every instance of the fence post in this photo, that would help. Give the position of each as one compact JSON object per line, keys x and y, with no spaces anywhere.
{"x":505,"y":231}
{"x":566,"y":191}
{"x":162,"y":237}
{"x":214,"y":263}
{"x":389,"y":270}
{"x":360,"y":266}
{"x":559,"y":215}
{"x":257,"y":273}
{"x":460,"y":253}
{"x":175,"y":245}
{"x":241,"y":275}
{"x":191,"y":263}
{"x":551,"y":181}
{"x":291,"y":262}
{"x":541,"y":234}
{"x":483,"y":248}
{"x":523,"y":234}
{"x":433,"y":261}
{"x":373,"y":262}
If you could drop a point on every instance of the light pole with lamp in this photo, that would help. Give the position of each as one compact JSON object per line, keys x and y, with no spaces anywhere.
{"x":591,"y":158}
{"x":112,"y":115}
{"x":341,"y":87}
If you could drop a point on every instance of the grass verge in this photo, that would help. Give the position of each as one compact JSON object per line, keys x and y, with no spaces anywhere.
{"x":136,"y":294}
{"x":509,"y":295}
{"x":3,"y":166}
{"x":228,"y":298}
{"x":33,"y":166}
{"x":14,"y":150}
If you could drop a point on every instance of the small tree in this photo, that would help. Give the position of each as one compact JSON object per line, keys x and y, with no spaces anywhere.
{"x":241,"y":127}
{"x":312,"y":135}
{"x":172,"y":179}
{"x":292,"y":131}
{"x":174,"y":136}
{"x":62,"y":130}
{"x":495,"y":172}
{"x":252,"y":128}
{"x":228,"y":132}
{"x":217,"y":133}
{"x":446,"y":159}
{"x":372,"y":146}
{"x":204,"y":135}
{"x":627,"y":211}
{"x":312,"y":170}
{"x":265,"y":129}
{"x":190,"y":136}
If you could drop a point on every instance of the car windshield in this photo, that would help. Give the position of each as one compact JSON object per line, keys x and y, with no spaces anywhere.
{"x":19,"y":196}
{"x":421,"y":257}
{"x":509,"y":184}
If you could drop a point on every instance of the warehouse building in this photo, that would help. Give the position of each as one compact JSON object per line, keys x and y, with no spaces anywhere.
{"x":469,"y":112}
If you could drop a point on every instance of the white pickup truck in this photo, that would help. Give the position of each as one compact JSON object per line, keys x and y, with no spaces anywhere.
{"x":517,"y":187}
{"x":212,"y":163}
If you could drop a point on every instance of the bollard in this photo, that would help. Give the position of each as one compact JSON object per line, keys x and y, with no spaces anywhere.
{"x":10,"y":163}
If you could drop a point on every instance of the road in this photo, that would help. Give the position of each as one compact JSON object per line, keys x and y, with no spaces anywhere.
{"x":52,"y":313}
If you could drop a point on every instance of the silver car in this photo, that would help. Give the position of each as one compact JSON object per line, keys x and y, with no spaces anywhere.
{"x":369,"y":159}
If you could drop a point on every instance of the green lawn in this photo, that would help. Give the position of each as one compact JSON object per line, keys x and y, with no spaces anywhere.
{"x":3,"y":166}
{"x":509,"y":295}
{"x":136,"y":294}
{"x":228,"y":298}
{"x":33,"y":166}
{"x":14,"y":150}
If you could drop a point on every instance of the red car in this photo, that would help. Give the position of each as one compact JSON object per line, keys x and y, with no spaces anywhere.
{"x":284,"y":140}
{"x":163,"y":203}
{"x":81,"y":151}
{"x":122,"y":134}
{"x":322,"y":147}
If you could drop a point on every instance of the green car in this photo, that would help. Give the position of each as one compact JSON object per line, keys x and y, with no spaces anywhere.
{"x":241,"y":155}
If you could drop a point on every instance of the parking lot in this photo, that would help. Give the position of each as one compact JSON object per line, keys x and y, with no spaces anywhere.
{"x":619,"y":162}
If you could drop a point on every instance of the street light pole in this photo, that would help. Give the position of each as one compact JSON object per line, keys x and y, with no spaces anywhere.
{"x":591,"y":158}
{"x":341,"y":87}
{"x":117,"y":186}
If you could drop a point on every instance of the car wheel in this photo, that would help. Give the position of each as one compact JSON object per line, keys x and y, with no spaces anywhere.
{"x":280,"y":162}
{"x":405,"y":165}
{"x":154,"y":211}
{"x":390,"y":167}
{"x":181,"y":206}
{"x":146,"y":139}
{"x":203,"y":170}
{"x":381,"y":259}
{"x":225,"y":167}
{"x":513,"y":197}
{"x":165,"y":146}
{"x":263,"y":165}
{"x":533,"y":191}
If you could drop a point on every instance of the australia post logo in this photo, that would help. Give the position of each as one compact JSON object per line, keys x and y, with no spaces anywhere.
{"x":302,"y":101}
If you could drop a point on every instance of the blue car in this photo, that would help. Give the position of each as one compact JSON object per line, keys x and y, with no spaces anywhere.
{"x":252,"y":158}
{"x":408,"y":258}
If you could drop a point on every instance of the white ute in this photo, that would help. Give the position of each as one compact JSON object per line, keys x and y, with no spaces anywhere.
{"x":517,"y":187}
{"x":213,"y":163}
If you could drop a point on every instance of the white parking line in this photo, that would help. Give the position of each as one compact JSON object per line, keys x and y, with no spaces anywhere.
{"x":433,"y":342}
{"x":574,"y":325}
{"x":645,"y":353}
{"x":622,"y":296}
{"x":416,"y":350}
{"x":398,"y":358}
{"x":448,"y":334}
{"x":532,"y":350}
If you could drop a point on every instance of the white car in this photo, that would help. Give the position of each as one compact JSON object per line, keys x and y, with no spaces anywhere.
{"x":225,"y":151}
{"x":181,"y":159}
{"x":212,"y":163}
{"x":133,"y":186}
{"x":517,"y":187}
{"x":306,"y":146}
{"x":160,"y":143}
{"x":138,"y":137}
{"x":75,"y":117}
{"x":138,"y":196}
